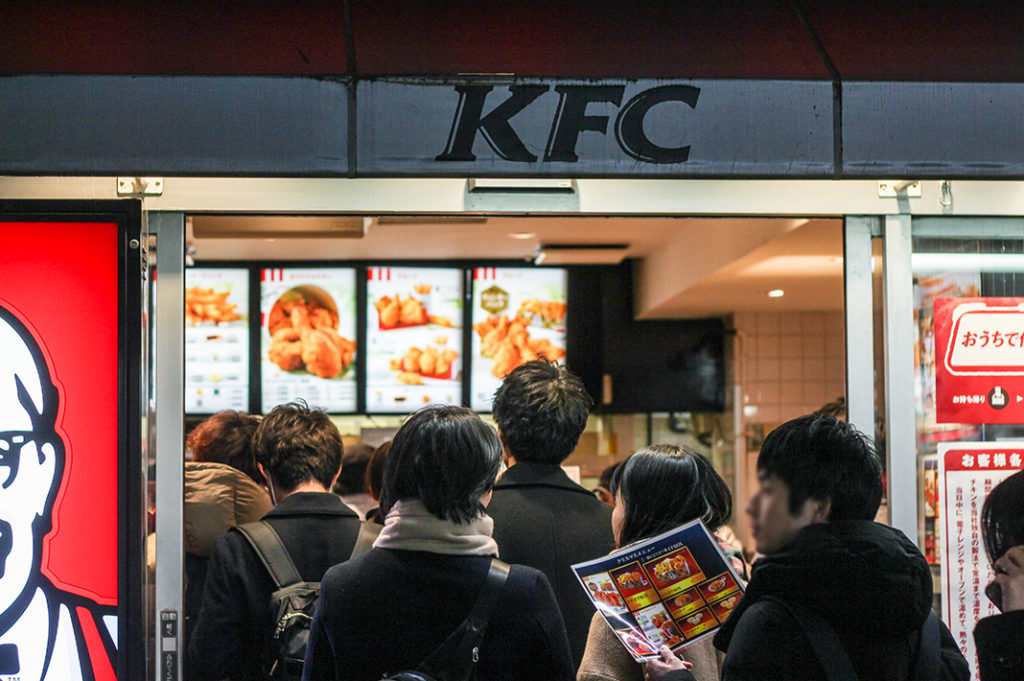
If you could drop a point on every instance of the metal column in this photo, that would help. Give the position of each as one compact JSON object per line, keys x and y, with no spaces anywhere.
{"x":860,"y":360}
{"x":169,"y":356}
{"x":901,"y":446}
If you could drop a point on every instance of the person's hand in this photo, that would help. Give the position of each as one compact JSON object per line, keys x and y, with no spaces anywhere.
{"x":654,"y":669}
{"x":1010,"y":578}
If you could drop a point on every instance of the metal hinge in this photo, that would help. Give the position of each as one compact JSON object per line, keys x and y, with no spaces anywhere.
{"x":890,"y":189}
{"x":140,"y":186}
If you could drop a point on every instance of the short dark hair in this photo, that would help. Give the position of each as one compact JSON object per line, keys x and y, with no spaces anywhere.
{"x":665,"y":486}
{"x":297,"y":444}
{"x":446,"y":457}
{"x":354,"y":459}
{"x":820,"y":457}
{"x":541,"y":409}
{"x":375,"y":470}
{"x":227,"y":438}
{"x":1002,"y":517}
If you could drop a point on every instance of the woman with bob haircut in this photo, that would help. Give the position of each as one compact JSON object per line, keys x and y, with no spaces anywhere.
{"x":657,"y":489}
{"x":390,"y":608}
{"x":1000,"y":638}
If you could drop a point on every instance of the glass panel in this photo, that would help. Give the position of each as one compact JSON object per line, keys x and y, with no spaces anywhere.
{"x":954,"y":473}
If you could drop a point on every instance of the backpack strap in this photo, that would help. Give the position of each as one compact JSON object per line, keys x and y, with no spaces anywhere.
{"x":456,"y":658}
{"x":271,"y":551}
{"x":823,"y":640}
{"x":929,"y":662}
{"x":368,"y":533}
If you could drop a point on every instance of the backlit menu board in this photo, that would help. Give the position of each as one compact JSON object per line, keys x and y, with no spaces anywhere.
{"x":216,"y":340}
{"x":518,"y":314}
{"x":308,"y":337}
{"x":414,"y":338}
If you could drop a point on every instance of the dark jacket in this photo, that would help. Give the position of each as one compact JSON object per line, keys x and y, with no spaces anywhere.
{"x":1000,"y":643}
{"x":387,"y":610}
{"x":867,"y":580}
{"x":233,"y":634}
{"x":545,"y":520}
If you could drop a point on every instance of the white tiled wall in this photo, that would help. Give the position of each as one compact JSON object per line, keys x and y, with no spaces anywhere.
{"x":790,"y":363}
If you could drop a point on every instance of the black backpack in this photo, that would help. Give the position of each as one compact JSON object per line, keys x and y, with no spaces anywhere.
{"x":836,"y":663}
{"x":294,"y":601}
{"x":456,"y":658}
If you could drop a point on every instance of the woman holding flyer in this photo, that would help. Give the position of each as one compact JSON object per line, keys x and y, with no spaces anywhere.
{"x":1000,"y":638}
{"x":656,"y":490}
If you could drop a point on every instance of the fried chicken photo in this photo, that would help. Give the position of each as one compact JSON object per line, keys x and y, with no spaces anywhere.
{"x":507,"y":340}
{"x":304,"y":335}
{"x":431,"y":362}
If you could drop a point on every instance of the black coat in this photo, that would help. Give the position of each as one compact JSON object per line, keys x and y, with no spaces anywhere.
{"x":387,"y":610}
{"x":235,"y":623}
{"x":545,"y":520}
{"x":868,"y":581}
{"x":1000,"y":643}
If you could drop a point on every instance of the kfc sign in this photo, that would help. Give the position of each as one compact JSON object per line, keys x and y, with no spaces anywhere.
{"x":979,"y":350}
{"x":569,"y":121}
{"x":65,"y":593}
{"x":572,"y":127}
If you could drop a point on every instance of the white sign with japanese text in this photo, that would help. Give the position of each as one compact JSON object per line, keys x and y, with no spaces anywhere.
{"x":967,"y":473}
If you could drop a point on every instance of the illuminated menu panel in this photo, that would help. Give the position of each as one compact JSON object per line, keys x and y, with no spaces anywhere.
{"x":216,"y":340}
{"x":518,"y":315}
{"x":414,"y":338}
{"x":308,"y":337}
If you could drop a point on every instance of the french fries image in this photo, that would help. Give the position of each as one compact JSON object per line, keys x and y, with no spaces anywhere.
{"x":508,"y":341}
{"x":550,"y":312}
{"x":207,"y":305}
{"x":416,"y":363}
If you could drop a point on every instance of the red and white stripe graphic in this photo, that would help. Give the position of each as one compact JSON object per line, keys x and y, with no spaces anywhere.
{"x":272,"y":274}
{"x":485,"y":273}
{"x":378,"y":273}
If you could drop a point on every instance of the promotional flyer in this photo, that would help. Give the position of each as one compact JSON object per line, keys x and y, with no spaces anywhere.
{"x":518,"y":315}
{"x":670,"y":590}
{"x":216,"y":340}
{"x":967,"y":473}
{"x":979,"y":350}
{"x":414,"y":338}
{"x":307,"y":337}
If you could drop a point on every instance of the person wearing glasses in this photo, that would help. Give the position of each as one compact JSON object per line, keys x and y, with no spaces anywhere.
{"x":32,"y":452}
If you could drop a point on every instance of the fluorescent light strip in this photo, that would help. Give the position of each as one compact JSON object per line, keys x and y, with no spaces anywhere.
{"x":934,"y":263}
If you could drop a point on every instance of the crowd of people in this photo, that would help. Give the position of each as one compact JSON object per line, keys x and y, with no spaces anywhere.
{"x":447,"y":552}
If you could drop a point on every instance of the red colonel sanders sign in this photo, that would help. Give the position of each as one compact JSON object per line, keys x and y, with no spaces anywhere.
{"x":64,"y":462}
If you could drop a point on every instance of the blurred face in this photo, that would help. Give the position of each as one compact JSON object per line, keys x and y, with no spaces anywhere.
{"x":771,"y":523}
{"x":618,"y":517}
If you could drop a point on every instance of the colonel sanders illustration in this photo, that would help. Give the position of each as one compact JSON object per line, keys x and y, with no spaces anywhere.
{"x":45,"y":633}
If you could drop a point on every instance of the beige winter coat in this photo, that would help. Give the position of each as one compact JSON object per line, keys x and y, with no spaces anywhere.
{"x":606,"y":659}
{"x":218,"y":497}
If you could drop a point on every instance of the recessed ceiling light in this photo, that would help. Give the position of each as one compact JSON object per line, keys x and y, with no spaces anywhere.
{"x":775,"y":293}
{"x":523,"y":235}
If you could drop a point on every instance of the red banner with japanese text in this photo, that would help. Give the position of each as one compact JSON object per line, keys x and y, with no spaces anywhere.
{"x":967,"y":473}
{"x":979,"y":367}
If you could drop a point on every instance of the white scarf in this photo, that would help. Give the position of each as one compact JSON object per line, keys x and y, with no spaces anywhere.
{"x":409,"y":526}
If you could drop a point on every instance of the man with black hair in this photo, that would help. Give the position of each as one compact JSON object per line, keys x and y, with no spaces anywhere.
{"x":542,"y":518}
{"x":829,"y":572}
{"x":298,"y":452}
